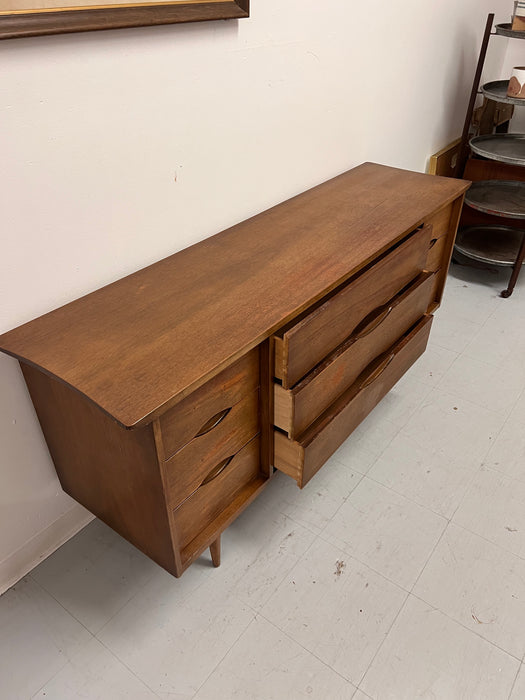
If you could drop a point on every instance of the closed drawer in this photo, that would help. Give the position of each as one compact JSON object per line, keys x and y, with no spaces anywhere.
{"x":299,"y":348}
{"x":440,"y":223}
{"x":205,"y":407}
{"x":188,"y":467}
{"x":295,"y":409}
{"x":302,"y":458}
{"x":216,"y":494}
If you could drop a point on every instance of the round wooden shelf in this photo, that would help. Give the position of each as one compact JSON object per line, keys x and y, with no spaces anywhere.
{"x":505,"y":29}
{"x":497,"y":91}
{"x":492,"y":245}
{"x":498,"y":197}
{"x":504,"y":148}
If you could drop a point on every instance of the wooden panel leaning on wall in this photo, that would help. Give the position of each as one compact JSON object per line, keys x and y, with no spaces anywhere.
{"x":168,"y":397}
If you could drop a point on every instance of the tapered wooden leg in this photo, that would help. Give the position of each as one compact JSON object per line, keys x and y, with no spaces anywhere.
{"x":215,"y":551}
{"x":515,"y":271}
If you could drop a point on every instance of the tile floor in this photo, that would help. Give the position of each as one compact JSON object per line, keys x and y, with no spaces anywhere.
{"x":397,"y":573}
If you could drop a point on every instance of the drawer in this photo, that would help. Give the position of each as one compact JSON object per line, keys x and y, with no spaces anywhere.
{"x":187,"y":468}
{"x":440,"y":222}
{"x":216,"y":493}
{"x":206,"y":407}
{"x":302,"y":458}
{"x":295,"y":409}
{"x":299,"y":348}
{"x":438,"y":249}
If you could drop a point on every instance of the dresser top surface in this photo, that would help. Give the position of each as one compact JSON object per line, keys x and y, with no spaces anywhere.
{"x":138,"y":345}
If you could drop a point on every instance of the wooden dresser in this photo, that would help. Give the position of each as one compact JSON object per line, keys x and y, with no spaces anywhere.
{"x":168,"y":397}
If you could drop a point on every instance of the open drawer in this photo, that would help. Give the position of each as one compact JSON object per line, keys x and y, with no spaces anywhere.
{"x":295,"y":409}
{"x":299,"y":348}
{"x":303,"y":457}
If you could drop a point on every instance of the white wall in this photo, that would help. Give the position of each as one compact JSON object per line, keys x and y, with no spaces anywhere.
{"x":118,"y":148}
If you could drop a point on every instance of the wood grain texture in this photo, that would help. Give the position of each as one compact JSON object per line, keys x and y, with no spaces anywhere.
{"x":303,"y":458}
{"x":209,"y":501}
{"x":189,"y":466}
{"x":310,"y":340}
{"x":297,"y":408}
{"x":19,"y":25}
{"x":143,"y":343}
{"x":180,"y":424}
{"x":112,"y":471}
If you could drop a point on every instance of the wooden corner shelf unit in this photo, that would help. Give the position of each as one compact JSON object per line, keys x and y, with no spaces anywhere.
{"x":168,"y":397}
{"x":492,"y":231}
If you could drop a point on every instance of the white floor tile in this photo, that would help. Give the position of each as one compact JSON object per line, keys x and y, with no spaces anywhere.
{"x":259,"y":549}
{"x":336,"y":608}
{"x":94,"y":574}
{"x":95,"y":674}
{"x":386,"y":531}
{"x":173,"y":634}
{"x":493,"y":387}
{"x":37,"y":638}
{"x":432,"y":364}
{"x":314,"y":505}
{"x":494,"y":508}
{"x":265,"y":664}
{"x":501,"y":342}
{"x":428,"y":656}
{"x":453,"y":331}
{"x":507,"y":454}
{"x":480,"y":585}
{"x":431,"y":476}
{"x":461,"y":429}
{"x":518,"y":692}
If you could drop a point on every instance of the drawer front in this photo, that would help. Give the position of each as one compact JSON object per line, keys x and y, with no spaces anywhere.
{"x":225,"y":482}
{"x":295,"y":409}
{"x":310,"y":340}
{"x":302,"y":459}
{"x":436,"y":253}
{"x":440,"y":222}
{"x":188,"y":467}
{"x":200,"y":411}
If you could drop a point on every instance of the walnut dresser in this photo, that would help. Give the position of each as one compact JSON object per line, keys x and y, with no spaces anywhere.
{"x":168,"y":397}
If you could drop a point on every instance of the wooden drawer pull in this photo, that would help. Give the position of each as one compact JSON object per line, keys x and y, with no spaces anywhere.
{"x":212,"y":423}
{"x":217,"y":470}
{"x":378,"y":371}
{"x":371,"y":322}
{"x":432,"y":243}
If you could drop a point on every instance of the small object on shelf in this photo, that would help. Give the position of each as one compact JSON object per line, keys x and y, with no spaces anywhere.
{"x":516,"y":87}
{"x":498,"y":197}
{"x":518,"y":19}
{"x":505,"y":148}
{"x":505,"y":29}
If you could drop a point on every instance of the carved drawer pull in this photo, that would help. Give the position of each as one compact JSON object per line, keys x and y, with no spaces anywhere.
{"x":213,"y":422}
{"x":378,"y":371}
{"x":217,"y":470}
{"x":371,"y":322}
{"x":432,"y":243}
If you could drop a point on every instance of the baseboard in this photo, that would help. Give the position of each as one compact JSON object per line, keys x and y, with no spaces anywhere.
{"x":23,"y":560}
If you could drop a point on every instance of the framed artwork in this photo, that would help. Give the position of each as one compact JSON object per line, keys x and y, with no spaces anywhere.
{"x":22,"y":18}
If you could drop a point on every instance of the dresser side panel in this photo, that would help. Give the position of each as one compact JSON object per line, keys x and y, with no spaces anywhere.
{"x":111,"y":471}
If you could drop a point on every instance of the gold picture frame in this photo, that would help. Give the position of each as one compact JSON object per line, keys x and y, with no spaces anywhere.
{"x":23,"y":18}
